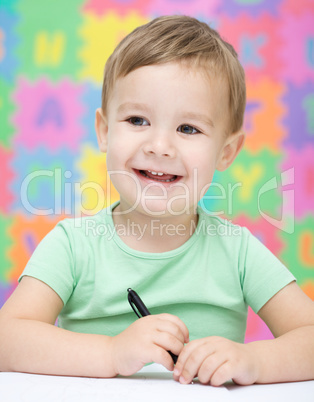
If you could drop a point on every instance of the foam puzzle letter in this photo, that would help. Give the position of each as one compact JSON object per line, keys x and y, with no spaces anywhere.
{"x":49,"y":48}
{"x":249,"y":177}
{"x":308,"y":106}
{"x":251,"y":50}
{"x":306,"y":244}
{"x":2,"y":47}
{"x":50,"y":111}
{"x":310,"y":51}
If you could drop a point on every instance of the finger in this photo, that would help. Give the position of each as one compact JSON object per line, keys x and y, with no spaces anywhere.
{"x":171,"y":328}
{"x":193,"y":363}
{"x":176,"y":320}
{"x":211,"y":366}
{"x":169,"y":342}
{"x":222,"y":374}
{"x":184,"y":355}
{"x":161,"y":356}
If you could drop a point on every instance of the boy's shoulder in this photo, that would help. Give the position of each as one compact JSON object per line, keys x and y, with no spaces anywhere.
{"x":216,"y":225}
{"x":85,"y":225}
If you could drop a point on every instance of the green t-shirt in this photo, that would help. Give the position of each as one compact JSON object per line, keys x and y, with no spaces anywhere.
{"x":208,"y":282}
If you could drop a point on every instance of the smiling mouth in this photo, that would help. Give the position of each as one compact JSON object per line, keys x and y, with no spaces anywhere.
{"x":158,"y":176}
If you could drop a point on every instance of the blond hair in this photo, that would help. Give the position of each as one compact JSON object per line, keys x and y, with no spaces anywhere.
{"x":179,"y":38}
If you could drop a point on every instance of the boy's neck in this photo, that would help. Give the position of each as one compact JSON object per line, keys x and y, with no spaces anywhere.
{"x":154,"y":234}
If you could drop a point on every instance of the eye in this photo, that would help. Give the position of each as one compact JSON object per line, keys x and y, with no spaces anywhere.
{"x":137,"y":121}
{"x":186,"y":129}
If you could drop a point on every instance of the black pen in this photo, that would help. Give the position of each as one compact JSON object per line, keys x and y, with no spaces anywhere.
{"x":141,"y":310}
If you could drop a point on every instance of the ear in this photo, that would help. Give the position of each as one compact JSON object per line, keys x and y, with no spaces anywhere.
{"x":101,"y":126}
{"x":230,"y":150}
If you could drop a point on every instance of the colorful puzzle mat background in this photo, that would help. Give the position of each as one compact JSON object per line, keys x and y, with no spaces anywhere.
{"x":52,"y":55}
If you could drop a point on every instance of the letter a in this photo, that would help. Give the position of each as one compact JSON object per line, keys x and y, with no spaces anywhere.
{"x":50,"y":112}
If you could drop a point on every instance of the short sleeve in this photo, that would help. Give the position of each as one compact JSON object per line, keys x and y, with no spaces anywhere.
{"x":52,"y":262}
{"x":263,"y":274}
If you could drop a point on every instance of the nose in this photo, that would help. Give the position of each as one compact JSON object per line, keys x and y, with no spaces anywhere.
{"x":160,"y":145}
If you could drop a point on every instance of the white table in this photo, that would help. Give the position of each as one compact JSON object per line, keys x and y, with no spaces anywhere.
{"x":153,"y":383}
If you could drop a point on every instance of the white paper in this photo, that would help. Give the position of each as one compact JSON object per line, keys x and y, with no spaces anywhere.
{"x":150,"y":384}
{"x":286,"y":392}
{"x":153,"y":383}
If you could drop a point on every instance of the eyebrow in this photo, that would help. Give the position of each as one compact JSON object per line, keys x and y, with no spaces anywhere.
{"x":133,"y":105}
{"x":200,"y":117}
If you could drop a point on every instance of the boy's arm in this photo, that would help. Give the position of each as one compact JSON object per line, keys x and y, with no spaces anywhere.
{"x":289,"y":357}
{"x":29,"y":341}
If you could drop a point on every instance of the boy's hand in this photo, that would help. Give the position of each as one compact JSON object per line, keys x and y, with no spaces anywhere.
{"x":216,"y":360}
{"x":148,"y":340}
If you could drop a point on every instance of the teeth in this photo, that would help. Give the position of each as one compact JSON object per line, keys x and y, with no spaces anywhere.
{"x":156,"y":173}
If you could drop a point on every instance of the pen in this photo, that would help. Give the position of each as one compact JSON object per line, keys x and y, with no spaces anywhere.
{"x":141,"y":310}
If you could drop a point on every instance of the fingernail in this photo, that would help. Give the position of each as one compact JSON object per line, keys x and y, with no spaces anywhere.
{"x":182,"y":380}
{"x":176,"y":371}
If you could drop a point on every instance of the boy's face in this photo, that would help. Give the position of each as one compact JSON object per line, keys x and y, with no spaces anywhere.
{"x":165,"y":134}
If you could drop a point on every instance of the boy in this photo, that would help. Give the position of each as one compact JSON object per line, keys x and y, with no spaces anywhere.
{"x":172,"y":111}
